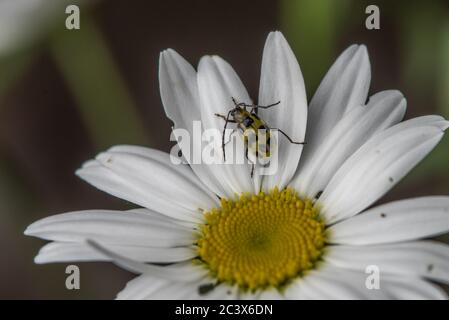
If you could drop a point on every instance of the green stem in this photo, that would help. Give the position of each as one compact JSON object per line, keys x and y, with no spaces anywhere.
{"x":311,"y":28}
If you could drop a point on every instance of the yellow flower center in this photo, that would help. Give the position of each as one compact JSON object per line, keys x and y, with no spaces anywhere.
{"x":261,"y":240}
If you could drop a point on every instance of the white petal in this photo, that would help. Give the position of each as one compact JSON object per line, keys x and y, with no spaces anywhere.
{"x":281,"y":80}
{"x":329,"y":282}
{"x":179,"y":89}
{"x":271,"y":294}
{"x":159,"y":217}
{"x":422,"y":259}
{"x":184,"y":271}
{"x":376,"y":167}
{"x":344,"y":87}
{"x":149,"y":182}
{"x":384,"y":109}
{"x":163,"y":157}
{"x":149,"y":287}
{"x":218,"y":84}
{"x":190,"y":291}
{"x":72,"y":251}
{"x":395,"y":221}
{"x":141,"y":286}
{"x":303,"y":289}
{"x":410,"y":288}
{"x":221,"y":292}
{"x":180,"y":97}
{"x":184,"y":186}
{"x":174,"y":291}
{"x":112,"y":227}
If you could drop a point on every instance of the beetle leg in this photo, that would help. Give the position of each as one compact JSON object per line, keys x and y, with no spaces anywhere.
{"x":233,"y":131}
{"x":255,"y":107}
{"x":223,"y":135}
{"x":268,"y":106}
{"x":252,"y":163}
{"x":224,"y":118}
{"x":289,"y":139}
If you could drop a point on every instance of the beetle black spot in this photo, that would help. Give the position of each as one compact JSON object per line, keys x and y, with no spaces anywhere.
{"x":318,"y":194}
{"x":247,"y":122}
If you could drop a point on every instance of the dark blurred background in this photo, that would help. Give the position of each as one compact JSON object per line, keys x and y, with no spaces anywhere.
{"x":65,"y":95}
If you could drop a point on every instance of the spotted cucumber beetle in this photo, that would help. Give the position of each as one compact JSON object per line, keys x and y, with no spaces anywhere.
{"x":249,"y":120}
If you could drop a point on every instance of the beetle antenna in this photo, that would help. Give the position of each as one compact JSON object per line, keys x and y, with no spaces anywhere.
{"x":239,"y":104}
{"x":255,"y":107}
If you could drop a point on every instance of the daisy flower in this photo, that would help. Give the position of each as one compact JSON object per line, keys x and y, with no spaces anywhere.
{"x":306,"y":232}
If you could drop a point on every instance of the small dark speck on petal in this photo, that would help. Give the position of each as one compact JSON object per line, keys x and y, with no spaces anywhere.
{"x":205,"y":288}
{"x":390,"y":179}
{"x":383,"y":215}
{"x":429,"y":268}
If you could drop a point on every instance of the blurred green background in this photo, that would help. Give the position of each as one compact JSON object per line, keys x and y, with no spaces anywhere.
{"x":66,"y":95}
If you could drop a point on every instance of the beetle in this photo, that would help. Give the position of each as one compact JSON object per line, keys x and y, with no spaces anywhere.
{"x":249,"y":120}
